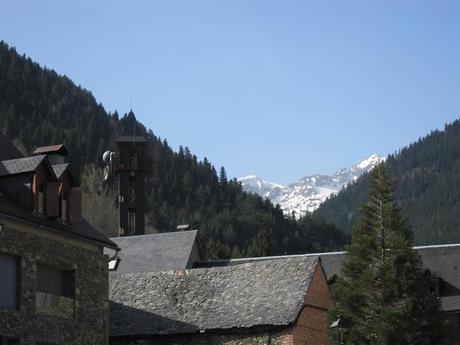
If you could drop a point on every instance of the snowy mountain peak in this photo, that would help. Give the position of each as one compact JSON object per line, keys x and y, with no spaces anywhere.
{"x":309,"y":192}
{"x":370,"y":162}
{"x":256,"y":185}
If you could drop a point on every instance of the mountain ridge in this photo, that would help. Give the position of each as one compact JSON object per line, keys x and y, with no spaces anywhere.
{"x":306,"y":194}
{"x":427,"y":178}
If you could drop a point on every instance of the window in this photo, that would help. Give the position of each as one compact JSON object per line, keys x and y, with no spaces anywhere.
{"x":131,"y":221}
{"x":64,"y":206}
{"x":132,"y":188}
{"x":41,"y":199}
{"x":55,"y":294}
{"x":8,"y":341}
{"x":9,"y":282}
{"x":55,"y":281}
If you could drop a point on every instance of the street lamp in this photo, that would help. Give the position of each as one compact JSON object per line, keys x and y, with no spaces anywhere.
{"x":338,"y":329}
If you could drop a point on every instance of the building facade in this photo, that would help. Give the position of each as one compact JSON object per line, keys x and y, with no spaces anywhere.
{"x":282,"y":301}
{"x":54,"y":274}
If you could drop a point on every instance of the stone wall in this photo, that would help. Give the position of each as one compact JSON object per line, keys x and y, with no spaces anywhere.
{"x":87,"y":325}
{"x":266,"y":338}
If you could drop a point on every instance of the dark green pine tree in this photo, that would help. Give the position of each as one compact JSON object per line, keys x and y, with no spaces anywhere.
{"x":223,"y":177}
{"x":383,"y":292}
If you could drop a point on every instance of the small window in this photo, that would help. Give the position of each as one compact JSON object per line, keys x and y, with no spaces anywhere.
{"x":41,"y":199}
{"x":55,"y":281}
{"x":8,"y":341}
{"x":64,"y":207}
{"x":131,"y":221}
{"x":9,"y":282}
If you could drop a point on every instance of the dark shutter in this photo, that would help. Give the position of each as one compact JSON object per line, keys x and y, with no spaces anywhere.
{"x":52,"y":199}
{"x":8,"y":281}
{"x":75,"y":206}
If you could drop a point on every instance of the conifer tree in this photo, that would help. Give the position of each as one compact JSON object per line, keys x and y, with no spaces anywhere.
{"x":383,"y":292}
{"x":223,"y":177}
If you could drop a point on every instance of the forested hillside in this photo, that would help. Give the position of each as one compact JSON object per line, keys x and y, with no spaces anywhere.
{"x":427,"y":175}
{"x":40,"y":107}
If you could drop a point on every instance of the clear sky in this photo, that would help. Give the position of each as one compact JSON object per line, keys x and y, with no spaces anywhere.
{"x":280,"y":89}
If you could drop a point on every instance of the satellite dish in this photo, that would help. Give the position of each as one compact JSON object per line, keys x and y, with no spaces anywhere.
{"x":106,"y":173}
{"x":106,"y":156}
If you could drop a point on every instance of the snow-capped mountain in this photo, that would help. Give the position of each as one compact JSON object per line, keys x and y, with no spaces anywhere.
{"x":309,"y":192}
{"x":254,"y":184}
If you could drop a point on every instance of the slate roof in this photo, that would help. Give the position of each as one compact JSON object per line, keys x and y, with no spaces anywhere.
{"x":8,"y":150}
{"x":20,"y":165}
{"x":156,"y":252}
{"x":261,"y":293}
{"x":450,"y":303}
{"x":60,"y":148}
{"x":441,"y":260}
{"x":83,"y":230}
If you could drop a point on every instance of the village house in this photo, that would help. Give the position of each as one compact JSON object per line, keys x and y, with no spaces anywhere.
{"x":54,"y":275}
{"x":174,"y":296}
{"x":188,"y":301}
{"x":65,"y":283}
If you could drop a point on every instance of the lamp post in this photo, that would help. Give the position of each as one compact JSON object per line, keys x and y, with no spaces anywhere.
{"x":338,"y":329}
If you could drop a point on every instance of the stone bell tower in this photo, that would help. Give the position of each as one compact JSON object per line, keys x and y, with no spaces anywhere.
{"x":128,"y":164}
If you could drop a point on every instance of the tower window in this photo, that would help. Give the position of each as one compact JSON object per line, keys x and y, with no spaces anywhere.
{"x":131,"y":220}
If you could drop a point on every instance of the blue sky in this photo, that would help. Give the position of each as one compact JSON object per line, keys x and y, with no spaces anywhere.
{"x":280,"y":89}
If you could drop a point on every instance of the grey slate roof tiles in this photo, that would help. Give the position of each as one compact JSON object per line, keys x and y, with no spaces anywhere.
{"x":20,"y":165}
{"x":83,"y":229}
{"x":450,"y":303}
{"x":441,"y":260}
{"x":261,"y":293}
{"x":155,"y":252}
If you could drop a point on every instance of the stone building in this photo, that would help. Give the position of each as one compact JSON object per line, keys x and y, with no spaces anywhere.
{"x":283,"y":301}
{"x":441,"y":261}
{"x":53,"y":272}
{"x":166,"y":293}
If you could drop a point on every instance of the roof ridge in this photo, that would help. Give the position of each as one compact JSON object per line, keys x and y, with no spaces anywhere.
{"x":155,"y":234}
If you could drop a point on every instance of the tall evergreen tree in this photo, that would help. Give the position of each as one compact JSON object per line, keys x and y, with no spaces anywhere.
{"x":223,"y":177}
{"x":382,"y":291}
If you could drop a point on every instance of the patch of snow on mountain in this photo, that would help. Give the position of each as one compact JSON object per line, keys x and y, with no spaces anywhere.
{"x":309,"y":192}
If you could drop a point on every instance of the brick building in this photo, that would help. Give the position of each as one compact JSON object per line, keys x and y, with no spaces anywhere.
{"x":53,"y":272}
